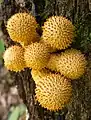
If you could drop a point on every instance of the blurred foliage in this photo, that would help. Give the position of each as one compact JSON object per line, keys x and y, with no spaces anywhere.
{"x":16,"y":112}
{"x":1,"y":1}
{"x":2,"y":49}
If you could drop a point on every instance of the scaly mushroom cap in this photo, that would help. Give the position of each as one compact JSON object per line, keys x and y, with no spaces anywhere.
{"x":22,"y":28}
{"x":38,"y":74}
{"x":52,"y":63}
{"x":53,"y":92}
{"x":14,"y":58}
{"x":70,"y":63}
{"x":58,"y":32}
{"x":37,"y":55}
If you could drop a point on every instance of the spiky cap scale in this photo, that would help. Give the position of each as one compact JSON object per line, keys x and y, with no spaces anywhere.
{"x":58,"y":32}
{"x":14,"y":58}
{"x":53,"y":92}
{"x":22,"y":28}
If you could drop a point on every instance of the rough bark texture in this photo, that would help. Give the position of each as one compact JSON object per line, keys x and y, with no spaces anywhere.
{"x":78,"y":11}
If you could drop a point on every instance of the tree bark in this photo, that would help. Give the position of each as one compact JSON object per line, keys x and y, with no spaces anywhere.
{"x":78,"y":11}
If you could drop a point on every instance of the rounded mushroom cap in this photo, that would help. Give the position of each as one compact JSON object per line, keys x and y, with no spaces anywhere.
{"x":14,"y":58}
{"x":58,"y":32}
{"x":22,"y":28}
{"x":38,"y":74}
{"x":53,"y":61}
{"x":53,"y":91}
{"x":37,"y":55}
{"x":70,"y":63}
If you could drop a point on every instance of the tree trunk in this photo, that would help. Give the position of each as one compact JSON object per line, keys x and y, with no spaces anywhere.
{"x":78,"y":11}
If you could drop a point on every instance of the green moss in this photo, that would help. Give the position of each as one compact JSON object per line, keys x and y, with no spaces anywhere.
{"x":83,"y":35}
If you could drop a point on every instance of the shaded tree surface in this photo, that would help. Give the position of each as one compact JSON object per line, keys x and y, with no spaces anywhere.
{"x":78,"y":11}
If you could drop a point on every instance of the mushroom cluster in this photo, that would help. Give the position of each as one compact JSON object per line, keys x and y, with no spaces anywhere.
{"x":52,"y":61}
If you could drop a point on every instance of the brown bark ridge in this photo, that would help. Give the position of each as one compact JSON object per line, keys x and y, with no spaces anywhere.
{"x":78,"y":11}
